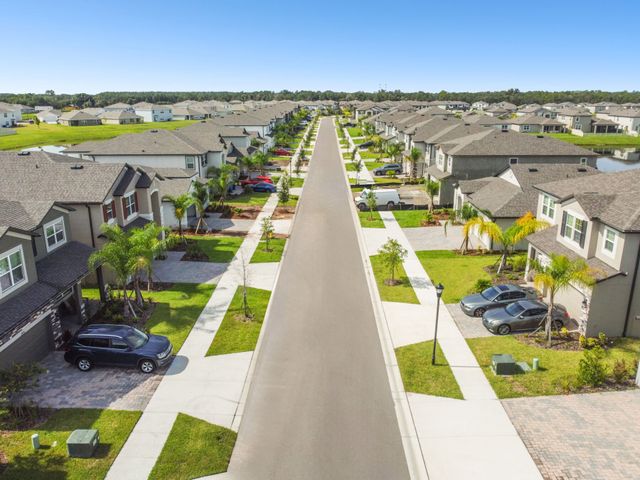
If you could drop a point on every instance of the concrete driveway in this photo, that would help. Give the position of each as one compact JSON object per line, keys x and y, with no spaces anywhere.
{"x":433,"y":238}
{"x":470,"y":327}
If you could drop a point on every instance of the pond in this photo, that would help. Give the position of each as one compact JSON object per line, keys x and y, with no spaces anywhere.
{"x":617,"y":159}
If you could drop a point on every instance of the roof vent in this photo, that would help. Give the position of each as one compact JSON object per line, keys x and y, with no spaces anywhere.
{"x":153,"y":131}
{"x":24,"y":153}
{"x":540,"y":136}
{"x":467,"y":124}
{"x":533,"y":169}
{"x":77,"y":166}
{"x":582,"y":169}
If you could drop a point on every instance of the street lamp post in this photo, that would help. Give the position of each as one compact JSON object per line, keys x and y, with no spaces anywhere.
{"x":439,"y":290}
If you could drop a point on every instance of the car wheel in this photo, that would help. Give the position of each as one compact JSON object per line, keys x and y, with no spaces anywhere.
{"x":478,"y":312}
{"x":362,"y":207}
{"x":557,"y":324}
{"x":504,"y":330}
{"x":390,"y":205}
{"x":397,"y":172}
{"x":147,"y":366}
{"x":84,"y":364}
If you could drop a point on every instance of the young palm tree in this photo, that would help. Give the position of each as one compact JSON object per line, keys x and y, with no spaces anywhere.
{"x":260,"y":160}
{"x":200,"y":198}
{"x":466,"y":214}
{"x":561,"y":273}
{"x":511,"y":236}
{"x":149,"y":243}
{"x":357,"y":166}
{"x":414,"y":156}
{"x":180,"y":204}
{"x":393,"y":150}
{"x":220,"y":185}
{"x":116,"y":253}
{"x":432,"y":188}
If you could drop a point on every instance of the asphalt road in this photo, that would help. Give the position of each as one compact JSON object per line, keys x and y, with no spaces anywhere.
{"x":319,"y":406}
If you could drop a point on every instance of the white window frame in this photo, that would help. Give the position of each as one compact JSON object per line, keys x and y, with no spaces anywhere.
{"x":583,"y":161}
{"x":127,"y":205}
{"x":549,"y":204}
{"x":614,"y":242}
{"x":512,"y":162}
{"x":526,"y":128}
{"x":573,"y":228}
{"x":186,"y":162}
{"x":111,"y":207}
{"x":25,"y":278}
{"x":53,"y":224}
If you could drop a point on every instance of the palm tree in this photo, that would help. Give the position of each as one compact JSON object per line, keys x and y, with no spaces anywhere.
{"x":368,"y":129}
{"x":432,"y":188}
{"x":414,"y":156}
{"x":357,"y":166}
{"x":180,"y":204}
{"x":393,"y":150}
{"x":200,"y":198}
{"x":511,"y":236}
{"x":116,"y":253}
{"x":260,"y":160}
{"x":149,"y":243}
{"x":561,"y":273}
{"x":466,"y":214}
{"x":220,"y":185}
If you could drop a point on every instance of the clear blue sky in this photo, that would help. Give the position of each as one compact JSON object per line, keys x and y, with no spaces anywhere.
{"x":74,"y":46}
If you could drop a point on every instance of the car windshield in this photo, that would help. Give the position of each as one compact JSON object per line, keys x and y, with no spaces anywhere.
{"x":514,"y":309}
{"x":490,"y":293}
{"x":136,"y":338}
{"x":365,"y":193}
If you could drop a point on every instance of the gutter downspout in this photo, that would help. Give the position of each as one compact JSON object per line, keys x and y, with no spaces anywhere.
{"x":103,"y":296}
{"x":631,"y":295}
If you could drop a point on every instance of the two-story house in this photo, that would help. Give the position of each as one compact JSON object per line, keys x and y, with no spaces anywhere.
{"x":596,"y":219}
{"x":488,"y":152}
{"x":153,"y":113}
{"x":536,"y":124}
{"x":41,"y":268}
{"x":574,"y":119}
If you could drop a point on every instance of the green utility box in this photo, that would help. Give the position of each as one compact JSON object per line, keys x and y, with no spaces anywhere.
{"x":82,"y":443}
{"x":503,"y":364}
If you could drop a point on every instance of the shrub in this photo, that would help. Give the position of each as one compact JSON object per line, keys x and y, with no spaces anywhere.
{"x":519,"y":263}
{"x":564,"y":332}
{"x":480,"y":285}
{"x":588,"y":342}
{"x":428,"y":217}
{"x":602,"y":338}
{"x":591,"y":370}
{"x":620,"y":371}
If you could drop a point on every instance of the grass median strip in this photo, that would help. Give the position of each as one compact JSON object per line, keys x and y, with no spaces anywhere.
{"x":236,"y":333}
{"x":52,"y":462}
{"x":370,"y":219}
{"x":402,"y":292}
{"x":410,"y":218}
{"x":194,"y":449}
{"x":276,"y":248}
{"x":419,"y":376}
{"x":219,"y":248}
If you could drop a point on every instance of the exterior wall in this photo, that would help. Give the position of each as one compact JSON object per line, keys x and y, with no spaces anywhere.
{"x":80,"y":225}
{"x":30,"y":346}
{"x":124,"y":121}
{"x":241,"y":142}
{"x":40,"y":241}
{"x":8,"y":242}
{"x":156,"y":115}
{"x":8,"y":119}
{"x":608,"y":306}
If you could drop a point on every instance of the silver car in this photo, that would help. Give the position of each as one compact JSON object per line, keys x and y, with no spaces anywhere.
{"x":523,"y":315}
{"x":494,"y":297}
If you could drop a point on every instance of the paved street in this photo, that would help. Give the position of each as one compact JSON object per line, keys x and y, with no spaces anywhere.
{"x":319,"y":406}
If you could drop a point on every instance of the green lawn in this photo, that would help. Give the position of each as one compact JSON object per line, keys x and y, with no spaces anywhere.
{"x":376,"y":221}
{"x":52,"y":463}
{"x":355,"y":131}
{"x":235,"y":333}
{"x":219,"y":248}
{"x":388,"y":180}
{"x":295,"y":182}
{"x":557,"y":368}
{"x":194,"y":449}
{"x":276,"y":246}
{"x":32,"y":136}
{"x":458,"y":273}
{"x":292,"y":202}
{"x":358,"y":141}
{"x":598,"y":140}
{"x":409,"y":218}
{"x":251,"y":199}
{"x":347,"y":155}
{"x":402,"y":292}
{"x":367,"y":155}
{"x":176,"y":311}
{"x":373,"y":164}
{"x":419,"y":376}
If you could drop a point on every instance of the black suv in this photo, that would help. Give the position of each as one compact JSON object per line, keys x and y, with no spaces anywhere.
{"x":389,"y":167}
{"x":118,"y":345}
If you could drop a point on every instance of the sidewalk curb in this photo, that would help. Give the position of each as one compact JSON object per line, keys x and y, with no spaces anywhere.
{"x":410,"y":441}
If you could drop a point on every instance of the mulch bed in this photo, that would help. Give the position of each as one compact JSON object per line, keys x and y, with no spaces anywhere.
{"x":240,"y":213}
{"x":283,"y":212}
{"x":115,"y":306}
{"x":569,"y":342}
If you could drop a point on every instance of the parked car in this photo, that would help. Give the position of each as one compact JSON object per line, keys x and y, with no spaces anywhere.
{"x":255,"y":180}
{"x":281,"y":152}
{"x":117,"y":345}
{"x":384,"y":197}
{"x":385,"y":169}
{"x":523,"y":315}
{"x":366,"y":144}
{"x":264,"y":187}
{"x":493,"y":297}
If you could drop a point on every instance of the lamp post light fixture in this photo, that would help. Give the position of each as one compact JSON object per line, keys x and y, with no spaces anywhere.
{"x":439,"y":290}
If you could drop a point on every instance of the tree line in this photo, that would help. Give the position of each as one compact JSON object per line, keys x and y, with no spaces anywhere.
{"x":514,"y":95}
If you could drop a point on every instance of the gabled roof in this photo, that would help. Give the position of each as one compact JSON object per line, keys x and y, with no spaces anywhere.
{"x":24,"y":215}
{"x":77,"y":115}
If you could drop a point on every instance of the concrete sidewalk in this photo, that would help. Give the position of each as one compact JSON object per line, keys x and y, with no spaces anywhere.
{"x":473,"y":438}
{"x":208,"y":388}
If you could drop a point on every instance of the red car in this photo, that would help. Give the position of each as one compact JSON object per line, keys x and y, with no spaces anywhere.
{"x":281,"y":152}
{"x":255,"y":180}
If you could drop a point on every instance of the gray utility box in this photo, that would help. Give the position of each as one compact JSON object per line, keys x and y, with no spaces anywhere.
{"x":82,"y":443}
{"x":503,"y":364}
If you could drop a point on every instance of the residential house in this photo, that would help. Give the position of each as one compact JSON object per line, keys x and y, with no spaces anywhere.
{"x":14,"y":111}
{"x":49,"y":116}
{"x":41,"y":267}
{"x":628,"y":120}
{"x":488,"y":152}
{"x":192,"y":112}
{"x":601,"y":107}
{"x":535,"y":109}
{"x":120,"y":117}
{"x":119,"y":107}
{"x":7,"y":118}
{"x":575,"y":119}
{"x":498,"y":123}
{"x":597,"y":220}
{"x":511,"y":194}
{"x":153,"y":113}
{"x":78,"y":118}
{"x":481,"y":105}
{"x":536,"y":124}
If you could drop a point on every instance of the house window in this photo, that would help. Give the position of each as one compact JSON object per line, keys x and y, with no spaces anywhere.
{"x":526,"y":128}
{"x":54,"y":234}
{"x":190,"y":162}
{"x":583,"y":161}
{"x":574,"y":228}
{"x":130,"y":206}
{"x":108,"y":212}
{"x":609,"y":245}
{"x":12,"y":273}
{"x":513,"y":161}
{"x":548,"y":207}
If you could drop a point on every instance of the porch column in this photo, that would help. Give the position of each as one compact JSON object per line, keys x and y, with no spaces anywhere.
{"x":77,"y":299}
{"x":101,"y":286}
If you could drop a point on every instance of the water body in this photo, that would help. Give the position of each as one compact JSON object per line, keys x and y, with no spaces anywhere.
{"x":618,"y":159}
